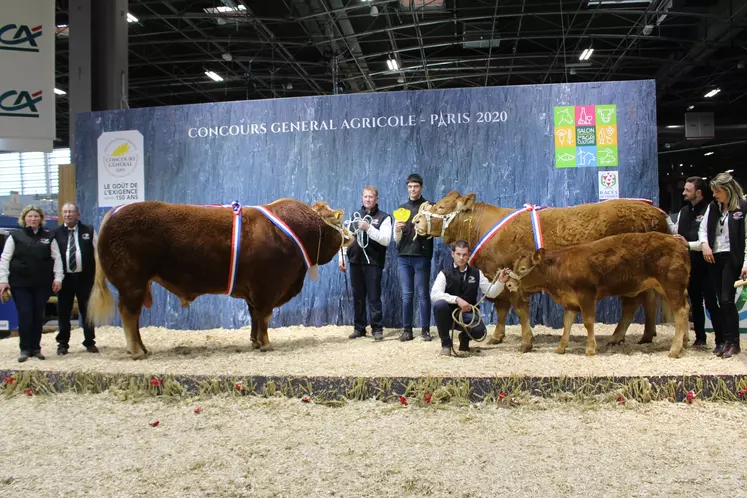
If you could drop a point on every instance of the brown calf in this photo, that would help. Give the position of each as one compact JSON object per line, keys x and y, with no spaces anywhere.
{"x":621,"y":265}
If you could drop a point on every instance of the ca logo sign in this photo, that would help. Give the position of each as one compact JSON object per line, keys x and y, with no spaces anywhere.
{"x":20,"y":38}
{"x":20,"y":104}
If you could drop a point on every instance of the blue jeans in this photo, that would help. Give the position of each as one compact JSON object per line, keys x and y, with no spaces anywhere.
{"x":415,"y":274}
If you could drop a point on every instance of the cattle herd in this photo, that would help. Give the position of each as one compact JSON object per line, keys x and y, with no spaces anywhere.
{"x":588,"y":252}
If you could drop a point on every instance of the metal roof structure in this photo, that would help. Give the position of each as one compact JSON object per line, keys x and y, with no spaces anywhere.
{"x":696,"y":51}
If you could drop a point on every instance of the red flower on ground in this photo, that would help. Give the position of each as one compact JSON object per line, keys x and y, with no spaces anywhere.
{"x":306,"y":399}
{"x":198,"y":410}
{"x":9,"y":380}
{"x":155,"y":424}
{"x":689,"y":397}
{"x":29,"y":392}
{"x":620,"y":400}
{"x":428,"y":397}
{"x":403,"y":400}
{"x":156,"y":382}
{"x":239,"y":387}
{"x":502,"y":395}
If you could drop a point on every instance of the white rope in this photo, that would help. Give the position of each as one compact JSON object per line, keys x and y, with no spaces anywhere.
{"x":360,"y":235}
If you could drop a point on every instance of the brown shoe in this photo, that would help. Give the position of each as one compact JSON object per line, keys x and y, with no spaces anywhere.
{"x":730,"y":350}
{"x":719,"y":349}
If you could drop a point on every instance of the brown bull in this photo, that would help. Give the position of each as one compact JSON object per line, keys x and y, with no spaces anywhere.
{"x":187,"y":250}
{"x":621,"y":265}
{"x":459,"y":217}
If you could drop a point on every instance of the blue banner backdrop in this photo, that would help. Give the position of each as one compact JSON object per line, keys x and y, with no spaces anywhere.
{"x":498,"y":142}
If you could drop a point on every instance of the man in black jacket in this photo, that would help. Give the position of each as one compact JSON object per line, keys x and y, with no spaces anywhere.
{"x":367,"y":257}
{"x":414,"y":256}
{"x":77,"y":244}
{"x":455,"y":287}
{"x":700,"y":288}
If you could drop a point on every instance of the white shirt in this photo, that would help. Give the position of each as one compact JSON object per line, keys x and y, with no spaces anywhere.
{"x":74,"y":234}
{"x":381,"y":235}
{"x":693,"y":245}
{"x":438,"y":291}
{"x":10,"y":248}
{"x":721,"y":243}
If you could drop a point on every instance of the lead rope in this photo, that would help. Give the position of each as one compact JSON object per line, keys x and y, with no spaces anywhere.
{"x":457,"y":318}
{"x":360,"y":236}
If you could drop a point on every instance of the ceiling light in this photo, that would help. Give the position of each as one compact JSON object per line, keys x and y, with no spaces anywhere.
{"x":131,"y":18}
{"x":730,"y":171}
{"x":226,"y":8}
{"x":674,"y":126}
{"x":647,"y":29}
{"x":709,"y":153}
{"x":586,"y":54}
{"x":712,"y":92}
{"x":392,"y":64}
{"x":374,"y":11}
{"x":213,"y":76}
{"x":59,"y":92}
{"x":616,"y":2}
{"x":62,"y":26}
{"x":690,"y":107}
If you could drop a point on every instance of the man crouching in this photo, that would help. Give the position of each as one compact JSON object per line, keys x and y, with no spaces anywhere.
{"x":457,"y":287}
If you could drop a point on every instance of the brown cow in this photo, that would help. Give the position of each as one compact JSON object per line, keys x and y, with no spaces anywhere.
{"x":187,"y":250}
{"x":621,"y":265}
{"x":469,"y":220}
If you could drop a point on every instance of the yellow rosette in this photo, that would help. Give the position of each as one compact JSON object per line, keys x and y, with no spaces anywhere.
{"x":401,"y":214}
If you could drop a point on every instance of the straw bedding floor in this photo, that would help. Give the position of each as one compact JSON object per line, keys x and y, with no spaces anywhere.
{"x":326,"y":351}
{"x":95,"y":445}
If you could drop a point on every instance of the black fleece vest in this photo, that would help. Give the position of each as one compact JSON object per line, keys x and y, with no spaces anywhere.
{"x":85,"y":243}
{"x":409,"y":245}
{"x":32,"y":264}
{"x":375,"y":251}
{"x":466,"y":287}
{"x":736,"y":230}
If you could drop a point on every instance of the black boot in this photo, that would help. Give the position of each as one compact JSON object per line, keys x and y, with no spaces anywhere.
{"x":406,"y":336}
{"x":357,"y":333}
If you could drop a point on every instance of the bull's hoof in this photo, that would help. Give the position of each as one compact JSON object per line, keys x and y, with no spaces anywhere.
{"x":255,"y":345}
{"x":646,"y":340}
{"x":525,"y":348}
{"x":591,"y":352}
{"x":560,"y":350}
{"x":264,"y":349}
{"x":674,"y":354}
{"x":139,"y":356}
{"x":616,"y":342}
{"x":496,"y":340}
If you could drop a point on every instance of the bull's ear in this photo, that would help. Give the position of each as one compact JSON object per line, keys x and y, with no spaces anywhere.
{"x":538,"y":256}
{"x":339,"y":213}
{"x":466,"y":203}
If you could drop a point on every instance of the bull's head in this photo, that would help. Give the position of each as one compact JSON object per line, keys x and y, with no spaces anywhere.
{"x":334,"y":218}
{"x":433,"y":220}
{"x":522,"y":267}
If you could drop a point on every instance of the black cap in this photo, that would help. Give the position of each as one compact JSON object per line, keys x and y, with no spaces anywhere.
{"x":415,"y":178}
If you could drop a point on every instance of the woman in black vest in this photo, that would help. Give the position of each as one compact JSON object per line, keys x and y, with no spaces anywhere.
{"x":31,"y":267}
{"x":722,"y":239}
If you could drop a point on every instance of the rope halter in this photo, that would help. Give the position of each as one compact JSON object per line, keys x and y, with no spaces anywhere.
{"x":428,"y":215}
{"x":360,"y":236}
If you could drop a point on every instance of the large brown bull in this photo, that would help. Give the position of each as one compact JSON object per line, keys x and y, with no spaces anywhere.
{"x":621,"y":265}
{"x":459,"y":217}
{"x":187,"y":249}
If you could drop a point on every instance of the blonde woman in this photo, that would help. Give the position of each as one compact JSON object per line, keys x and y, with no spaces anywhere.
{"x":722,"y":240}
{"x":31,"y":267}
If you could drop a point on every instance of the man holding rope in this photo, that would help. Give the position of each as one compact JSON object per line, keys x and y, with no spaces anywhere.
{"x":455,"y":288}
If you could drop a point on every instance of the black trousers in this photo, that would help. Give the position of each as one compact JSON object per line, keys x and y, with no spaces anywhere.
{"x":30,"y":303}
{"x":74,"y":285}
{"x":723,"y":275}
{"x":442,"y":313}
{"x":700,"y":289}
{"x":366,"y":283}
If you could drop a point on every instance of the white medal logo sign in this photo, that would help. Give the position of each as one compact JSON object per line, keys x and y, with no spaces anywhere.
{"x":120,"y":157}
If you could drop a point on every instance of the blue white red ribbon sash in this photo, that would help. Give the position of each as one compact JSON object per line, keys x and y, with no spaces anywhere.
{"x":235,"y":246}
{"x":286,"y":230}
{"x":536,"y":228}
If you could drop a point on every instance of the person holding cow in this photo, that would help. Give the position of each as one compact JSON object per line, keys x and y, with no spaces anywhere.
{"x":722,"y":240}
{"x":78,"y":245}
{"x":414,"y":256}
{"x":457,"y":287}
{"x":700,"y":288}
{"x":31,"y":268}
{"x":367,"y":257}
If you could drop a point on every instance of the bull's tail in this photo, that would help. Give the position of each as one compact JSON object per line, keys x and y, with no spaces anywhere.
{"x":101,"y":302}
